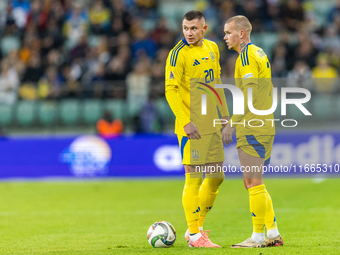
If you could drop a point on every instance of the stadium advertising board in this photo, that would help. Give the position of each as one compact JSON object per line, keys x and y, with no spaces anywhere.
{"x":294,"y":154}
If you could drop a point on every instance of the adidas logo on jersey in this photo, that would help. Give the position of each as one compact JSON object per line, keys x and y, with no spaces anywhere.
{"x":196,"y":62}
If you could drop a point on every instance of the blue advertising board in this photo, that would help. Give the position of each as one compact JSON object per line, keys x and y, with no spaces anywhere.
{"x":153,"y":156}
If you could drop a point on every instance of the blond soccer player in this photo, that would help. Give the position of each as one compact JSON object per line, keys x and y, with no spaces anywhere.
{"x":192,"y":69}
{"x":254,"y":141}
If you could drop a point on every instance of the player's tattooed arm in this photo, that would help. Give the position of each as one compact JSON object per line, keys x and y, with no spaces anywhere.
{"x":242,"y":45}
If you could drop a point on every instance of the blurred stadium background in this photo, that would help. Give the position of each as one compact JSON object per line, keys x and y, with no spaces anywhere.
{"x":82,"y":95}
{"x":65,"y":62}
{"x":73,"y":70}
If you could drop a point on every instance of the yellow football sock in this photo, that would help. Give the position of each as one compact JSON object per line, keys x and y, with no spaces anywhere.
{"x":191,"y":200}
{"x":258,"y":207}
{"x":270,"y":216}
{"x":208,"y":193}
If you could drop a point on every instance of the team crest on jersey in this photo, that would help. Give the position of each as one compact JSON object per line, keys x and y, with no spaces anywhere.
{"x":248,"y":75}
{"x":172,"y":76}
{"x":212,"y":56}
{"x":261,"y":53}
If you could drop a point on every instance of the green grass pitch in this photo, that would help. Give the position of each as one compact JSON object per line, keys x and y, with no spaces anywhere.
{"x":113,"y":216}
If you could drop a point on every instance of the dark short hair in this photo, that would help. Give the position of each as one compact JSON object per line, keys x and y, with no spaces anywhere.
{"x":191,"y":15}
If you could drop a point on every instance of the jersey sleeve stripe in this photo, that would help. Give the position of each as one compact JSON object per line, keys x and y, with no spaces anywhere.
{"x":177,"y":54}
{"x":175,"y":48}
{"x":242,"y":59}
{"x":247,"y":55}
{"x":173,"y":53}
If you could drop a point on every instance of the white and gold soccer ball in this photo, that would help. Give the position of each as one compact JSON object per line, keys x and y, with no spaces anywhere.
{"x":161,"y":234}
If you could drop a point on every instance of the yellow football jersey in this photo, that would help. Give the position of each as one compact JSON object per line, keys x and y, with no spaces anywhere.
{"x":252,"y":69}
{"x":192,"y":71}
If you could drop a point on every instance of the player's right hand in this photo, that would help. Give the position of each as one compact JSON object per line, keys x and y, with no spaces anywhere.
{"x":227,"y":134}
{"x":191,"y":130}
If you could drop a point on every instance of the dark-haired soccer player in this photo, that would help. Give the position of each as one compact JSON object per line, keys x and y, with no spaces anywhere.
{"x":254,"y":142}
{"x":192,"y":69}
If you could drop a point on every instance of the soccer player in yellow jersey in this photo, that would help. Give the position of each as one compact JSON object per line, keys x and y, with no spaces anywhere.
{"x":192,"y":69}
{"x":254,"y":138}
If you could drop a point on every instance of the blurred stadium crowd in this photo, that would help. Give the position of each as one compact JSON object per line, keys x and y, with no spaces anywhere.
{"x":117,"y":49}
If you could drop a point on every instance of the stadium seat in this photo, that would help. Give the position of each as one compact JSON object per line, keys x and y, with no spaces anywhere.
{"x":94,"y":40}
{"x":93,"y":111}
{"x":173,"y":10}
{"x":268,"y":43}
{"x":5,"y":114}
{"x":256,"y":38}
{"x":149,"y":24}
{"x":323,"y":106}
{"x":337,"y":107}
{"x":9,"y":43}
{"x":117,"y":108}
{"x":70,"y":111}
{"x":165,"y":110}
{"x":133,"y":107}
{"x":277,"y":113}
{"x":47,"y":112}
{"x":26,"y":112}
{"x":167,"y":10}
{"x":295,"y":113}
{"x":321,"y":12}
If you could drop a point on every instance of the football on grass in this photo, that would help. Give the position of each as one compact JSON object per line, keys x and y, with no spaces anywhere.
{"x":161,"y":234}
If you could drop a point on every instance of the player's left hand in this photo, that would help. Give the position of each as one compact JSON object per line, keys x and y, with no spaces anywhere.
{"x":226,"y":118}
{"x":227,"y":134}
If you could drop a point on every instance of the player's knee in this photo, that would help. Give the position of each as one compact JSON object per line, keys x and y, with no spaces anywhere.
{"x":248,"y":184}
{"x":217,"y":182}
{"x":245,"y":184}
{"x":215,"y":178}
{"x":251,"y":182}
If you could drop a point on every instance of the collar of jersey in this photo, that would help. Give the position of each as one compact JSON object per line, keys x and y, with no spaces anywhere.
{"x":247,"y":46}
{"x":185,"y":41}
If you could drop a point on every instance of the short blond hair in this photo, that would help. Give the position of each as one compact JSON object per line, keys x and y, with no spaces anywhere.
{"x":241,"y":23}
